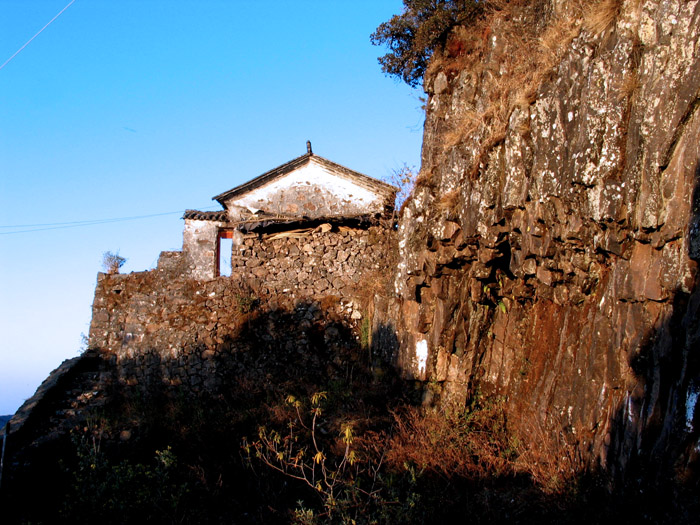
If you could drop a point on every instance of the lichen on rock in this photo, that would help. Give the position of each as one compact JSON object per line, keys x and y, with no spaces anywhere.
{"x":568,"y":281}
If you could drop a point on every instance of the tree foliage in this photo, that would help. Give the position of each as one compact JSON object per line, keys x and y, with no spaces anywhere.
{"x":413,"y":35}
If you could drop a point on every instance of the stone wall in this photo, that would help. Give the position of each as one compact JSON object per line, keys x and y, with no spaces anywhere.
{"x":313,"y":260}
{"x":162,"y":326}
{"x":320,"y":261}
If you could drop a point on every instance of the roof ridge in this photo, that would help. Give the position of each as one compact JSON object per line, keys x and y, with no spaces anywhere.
{"x":257,"y":181}
{"x":260,"y":180}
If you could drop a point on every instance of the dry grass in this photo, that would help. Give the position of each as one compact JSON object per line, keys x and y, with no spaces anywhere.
{"x":601,"y":16}
{"x":557,"y":37}
{"x":526,"y":56}
{"x":551,"y":458}
{"x":468,"y":123}
{"x":373,"y":284}
{"x":523,"y":127}
{"x":424,"y":179}
{"x":482,"y":443}
{"x":470,"y":445}
{"x":449,"y":201}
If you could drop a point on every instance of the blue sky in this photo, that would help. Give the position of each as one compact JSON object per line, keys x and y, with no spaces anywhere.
{"x":126,"y":108}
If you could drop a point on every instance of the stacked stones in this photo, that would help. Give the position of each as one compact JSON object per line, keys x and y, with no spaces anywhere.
{"x":315,"y":264}
{"x":158,"y":327}
{"x":554,"y":261}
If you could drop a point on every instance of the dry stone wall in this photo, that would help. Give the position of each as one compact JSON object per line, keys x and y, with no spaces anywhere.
{"x":161,"y":327}
{"x":315,"y":262}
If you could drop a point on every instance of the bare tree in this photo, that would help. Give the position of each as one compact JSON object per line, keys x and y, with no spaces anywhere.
{"x":112,"y":262}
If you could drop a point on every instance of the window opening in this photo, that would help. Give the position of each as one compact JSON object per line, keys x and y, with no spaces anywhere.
{"x":224,"y":249}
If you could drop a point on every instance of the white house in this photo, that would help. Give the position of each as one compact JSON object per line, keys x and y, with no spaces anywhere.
{"x":306,"y":190}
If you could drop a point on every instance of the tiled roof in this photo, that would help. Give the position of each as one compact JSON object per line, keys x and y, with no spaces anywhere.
{"x":219,"y":215}
{"x":279,"y":222}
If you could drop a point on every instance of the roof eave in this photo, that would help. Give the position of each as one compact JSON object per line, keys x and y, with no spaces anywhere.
{"x":261,"y":179}
{"x":372,"y":183}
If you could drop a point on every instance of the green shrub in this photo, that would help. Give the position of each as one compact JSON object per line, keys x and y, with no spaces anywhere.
{"x":413,"y":35}
{"x":122,"y":490}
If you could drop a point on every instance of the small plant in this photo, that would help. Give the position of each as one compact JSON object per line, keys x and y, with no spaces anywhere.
{"x":304,"y":516}
{"x":112,"y":262}
{"x":327,"y":467}
{"x":84,"y":343}
{"x":366,"y":335}
{"x":246,"y":302}
{"x":404,"y":178}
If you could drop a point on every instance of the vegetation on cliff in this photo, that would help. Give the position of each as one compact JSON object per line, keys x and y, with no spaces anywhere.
{"x":413,"y":35}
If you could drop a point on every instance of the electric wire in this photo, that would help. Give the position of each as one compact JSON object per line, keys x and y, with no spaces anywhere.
{"x":83,"y":222}
{"x":37,"y":34}
{"x":76,"y":224}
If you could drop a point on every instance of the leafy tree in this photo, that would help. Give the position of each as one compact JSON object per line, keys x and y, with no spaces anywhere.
{"x":413,"y":35}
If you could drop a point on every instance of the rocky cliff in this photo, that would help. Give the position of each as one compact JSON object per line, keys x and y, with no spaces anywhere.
{"x":549,"y":253}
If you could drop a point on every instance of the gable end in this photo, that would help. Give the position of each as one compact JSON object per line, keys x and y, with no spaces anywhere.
{"x":369,"y":183}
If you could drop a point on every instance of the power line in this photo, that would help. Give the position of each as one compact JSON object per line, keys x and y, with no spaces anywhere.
{"x":76,"y":224}
{"x":38,"y":33}
{"x":84,"y":222}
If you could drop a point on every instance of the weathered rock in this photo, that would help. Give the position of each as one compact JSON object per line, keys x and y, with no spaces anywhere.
{"x":582,"y":310}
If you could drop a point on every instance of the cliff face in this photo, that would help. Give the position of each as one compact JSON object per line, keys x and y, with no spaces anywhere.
{"x":548,"y":254}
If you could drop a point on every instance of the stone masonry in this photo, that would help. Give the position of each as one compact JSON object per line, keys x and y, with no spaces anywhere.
{"x":162,"y":326}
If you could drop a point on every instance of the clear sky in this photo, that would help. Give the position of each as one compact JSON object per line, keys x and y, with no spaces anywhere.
{"x":129,"y":108}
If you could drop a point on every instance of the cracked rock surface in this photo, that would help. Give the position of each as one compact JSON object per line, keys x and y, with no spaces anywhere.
{"x":555,"y":264}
